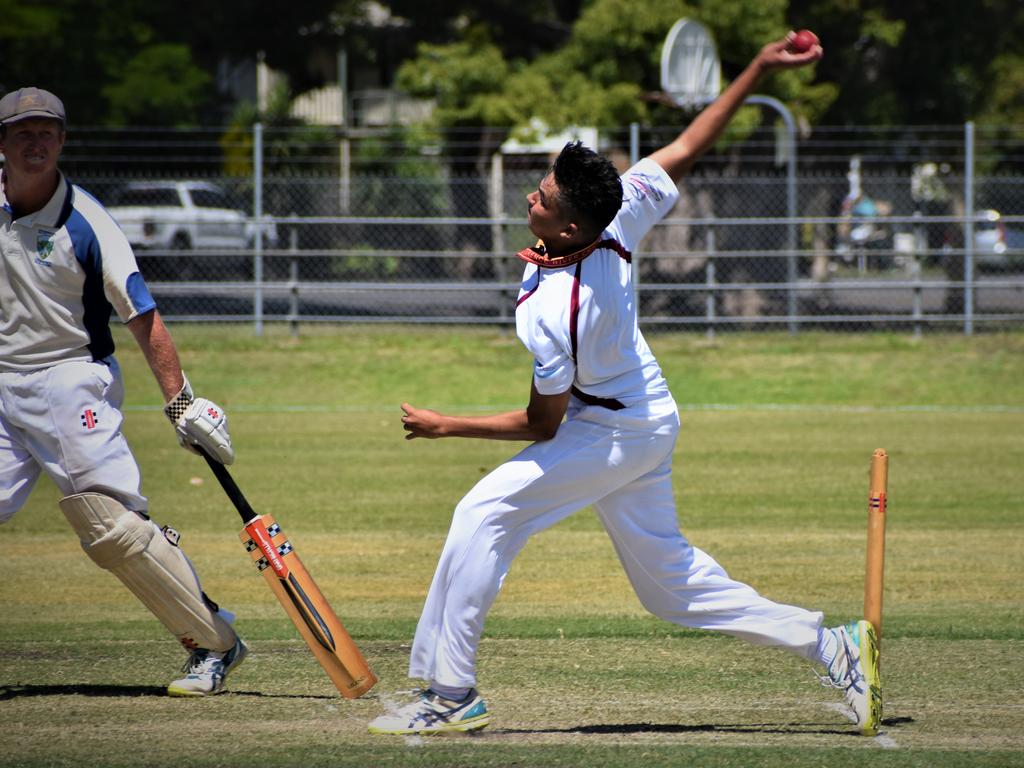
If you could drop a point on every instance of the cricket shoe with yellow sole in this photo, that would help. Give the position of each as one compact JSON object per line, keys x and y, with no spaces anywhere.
{"x":431,"y":714}
{"x":206,"y":670}
{"x":854,"y":671}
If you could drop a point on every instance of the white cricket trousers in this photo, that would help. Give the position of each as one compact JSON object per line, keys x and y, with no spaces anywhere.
{"x":621,"y":463}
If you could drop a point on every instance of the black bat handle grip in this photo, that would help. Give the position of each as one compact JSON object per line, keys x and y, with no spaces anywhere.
{"x":230,"y":487}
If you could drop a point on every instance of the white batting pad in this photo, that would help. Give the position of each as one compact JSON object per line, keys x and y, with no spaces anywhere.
{"x":153,"y":569}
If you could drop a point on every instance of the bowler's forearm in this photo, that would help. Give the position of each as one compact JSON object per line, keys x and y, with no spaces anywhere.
{"x":513,"y":425}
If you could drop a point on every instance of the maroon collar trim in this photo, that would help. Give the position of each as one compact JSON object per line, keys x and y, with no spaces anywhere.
{"x":537,"y":254}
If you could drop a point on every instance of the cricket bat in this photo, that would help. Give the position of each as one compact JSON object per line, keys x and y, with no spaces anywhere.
{"x":302,"y":600}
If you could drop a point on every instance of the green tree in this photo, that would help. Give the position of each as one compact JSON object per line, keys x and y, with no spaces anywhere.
{"x":160,"y":85}
{"x":519,"y":28}
{"x":94,"y":54}
{"x":1003,"y":101}
{"x":886,"y":62}
{"x":918,"y":62}
{"x":602,"y":74}
{"x":460,"y":77}
{"x":70,"y":47}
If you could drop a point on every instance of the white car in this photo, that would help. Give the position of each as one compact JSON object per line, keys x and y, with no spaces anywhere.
{"x":996,"y":246}
{"x":164,"y":219}
{"x":179,"y":215}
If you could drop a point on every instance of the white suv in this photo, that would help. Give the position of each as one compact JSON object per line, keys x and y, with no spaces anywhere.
{"x":178,"y":215}
{"x":170,"y":223}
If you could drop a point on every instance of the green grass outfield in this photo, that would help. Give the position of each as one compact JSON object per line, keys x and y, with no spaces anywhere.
{"x":772,"y":477}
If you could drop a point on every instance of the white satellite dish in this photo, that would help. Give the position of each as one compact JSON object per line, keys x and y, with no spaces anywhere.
{"x":691,"y":73}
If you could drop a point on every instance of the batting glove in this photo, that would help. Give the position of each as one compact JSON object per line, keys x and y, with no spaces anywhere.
{"x":200,"y":422}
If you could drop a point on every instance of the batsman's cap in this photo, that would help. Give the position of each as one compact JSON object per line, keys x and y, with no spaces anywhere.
{"x":30,"y":102}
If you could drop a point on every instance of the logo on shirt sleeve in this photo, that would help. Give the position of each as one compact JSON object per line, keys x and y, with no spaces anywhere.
{"x":541,"y":371}
{"x":642,"y":185}
{"x":89,"y":420}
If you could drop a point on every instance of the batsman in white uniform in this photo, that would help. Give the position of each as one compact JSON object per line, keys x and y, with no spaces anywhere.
{"x":576,"y":313}
{"x":65,"y":265}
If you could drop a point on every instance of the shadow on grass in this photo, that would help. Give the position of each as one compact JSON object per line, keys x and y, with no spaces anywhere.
{"x":126,"y":691}
{"x":634,"y":728}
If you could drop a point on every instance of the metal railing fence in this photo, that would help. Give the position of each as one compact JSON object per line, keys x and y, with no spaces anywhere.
{"x":912,"y":228}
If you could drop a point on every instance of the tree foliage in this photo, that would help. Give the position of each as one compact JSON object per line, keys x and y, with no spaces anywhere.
{"x":600,"y":76}
{"x":106,"y":58}
{"x":886,"y":61}
{"x":160,"y":85}
{"x":459,"y":77}
{"x":919,"y":61}
{"x":519,"y":28}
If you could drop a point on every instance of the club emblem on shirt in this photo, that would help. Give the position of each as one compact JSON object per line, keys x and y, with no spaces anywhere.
{"x":89,"y":420}
{"x":44,"y":245}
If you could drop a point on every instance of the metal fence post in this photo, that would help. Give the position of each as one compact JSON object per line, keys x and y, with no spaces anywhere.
{"x":969,"y":228}
{"x":293,"y":281}
{"x":257,"y":214}
{"x":791,"y":244}
{"x":915,"y":311}
{"x":344,"y":175}
{"x":496,"y":206}
{"x":709,"y":301}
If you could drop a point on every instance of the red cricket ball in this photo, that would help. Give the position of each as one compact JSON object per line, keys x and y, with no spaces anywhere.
{"x":803,"y":41}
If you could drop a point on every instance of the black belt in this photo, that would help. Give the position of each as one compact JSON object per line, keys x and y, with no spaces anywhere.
{"x":603,"y":402}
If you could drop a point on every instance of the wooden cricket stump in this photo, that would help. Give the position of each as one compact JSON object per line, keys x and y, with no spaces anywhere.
{"x":874,"y":576}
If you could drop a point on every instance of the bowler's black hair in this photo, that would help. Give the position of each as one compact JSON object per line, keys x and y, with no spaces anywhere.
{"x":589,"y":188}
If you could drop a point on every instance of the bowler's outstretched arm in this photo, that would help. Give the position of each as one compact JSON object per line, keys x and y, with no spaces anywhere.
{"x":679,"y":156}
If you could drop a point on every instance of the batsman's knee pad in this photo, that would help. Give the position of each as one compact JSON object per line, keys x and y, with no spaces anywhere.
{"x":155,"y":570}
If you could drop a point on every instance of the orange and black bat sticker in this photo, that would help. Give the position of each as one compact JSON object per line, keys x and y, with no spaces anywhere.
{"x":273,"y":556}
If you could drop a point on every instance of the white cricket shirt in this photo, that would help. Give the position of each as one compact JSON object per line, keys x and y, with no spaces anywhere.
{"x":62,"y":269}
{"x":577,"y":314}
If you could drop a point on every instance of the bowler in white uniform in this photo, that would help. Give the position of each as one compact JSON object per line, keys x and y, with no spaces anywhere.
{"x":64,"y":267}
{"x":603,"y":426}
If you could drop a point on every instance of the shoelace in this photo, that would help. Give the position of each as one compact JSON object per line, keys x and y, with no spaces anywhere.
{"x":199,"y":662}
{"x":418,"y":695}
{"x":827,"y":682}
{"x":428,"y":705}
{"x":850,"y":678}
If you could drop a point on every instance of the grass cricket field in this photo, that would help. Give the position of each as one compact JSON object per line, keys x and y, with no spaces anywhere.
{"x":771,"y":475}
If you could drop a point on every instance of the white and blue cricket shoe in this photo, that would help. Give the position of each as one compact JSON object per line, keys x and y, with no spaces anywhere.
{"x":206,"y":670}
{"x":854,"y":671}
{"x":430,"y":713}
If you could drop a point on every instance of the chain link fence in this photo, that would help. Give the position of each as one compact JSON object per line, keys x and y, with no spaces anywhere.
{"x":913,"y":228}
